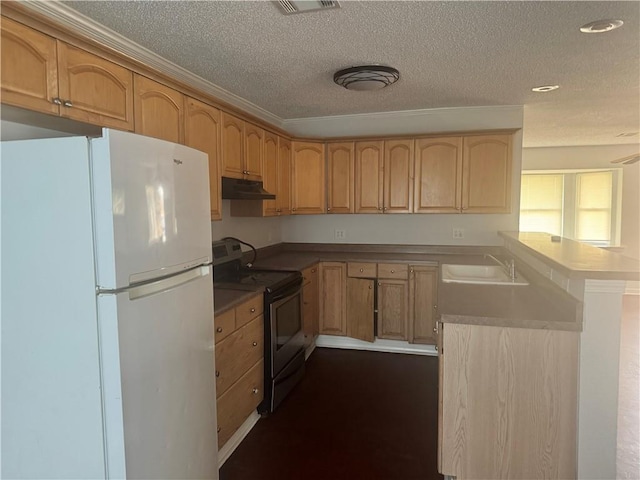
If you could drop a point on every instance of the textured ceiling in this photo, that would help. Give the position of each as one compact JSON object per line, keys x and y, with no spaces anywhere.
{"x":450,"y":54}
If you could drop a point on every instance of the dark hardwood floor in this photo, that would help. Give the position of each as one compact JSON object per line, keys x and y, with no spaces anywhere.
{"x":355,"y":415}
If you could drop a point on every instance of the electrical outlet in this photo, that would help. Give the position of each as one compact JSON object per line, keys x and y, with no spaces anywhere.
{"x":340,"y":234}
{"x":458,"y":233}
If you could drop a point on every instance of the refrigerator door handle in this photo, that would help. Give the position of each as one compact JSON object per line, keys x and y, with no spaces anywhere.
{"x":168,"y":283}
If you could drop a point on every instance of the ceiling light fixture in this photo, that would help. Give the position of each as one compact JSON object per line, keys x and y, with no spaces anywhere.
{"x":545,"y":88}
{"x":366,"y":77}
{"x":601,"y":26}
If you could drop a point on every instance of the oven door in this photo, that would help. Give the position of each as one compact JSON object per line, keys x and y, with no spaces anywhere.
{"x":285,"y":326}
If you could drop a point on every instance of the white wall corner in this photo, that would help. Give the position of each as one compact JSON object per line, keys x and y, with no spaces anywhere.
{"x":605,"y":286}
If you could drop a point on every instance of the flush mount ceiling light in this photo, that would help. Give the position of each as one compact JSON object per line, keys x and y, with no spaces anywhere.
{"x":366,"y":77}
{"x":545,"y":88}
{"x":601,"y":26}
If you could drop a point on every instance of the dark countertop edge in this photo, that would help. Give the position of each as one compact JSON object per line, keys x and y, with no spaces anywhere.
{"x":386,"y":249}
{"x":229,"y":298}
{"x":568,"y":271}
{"x":503,"y":322}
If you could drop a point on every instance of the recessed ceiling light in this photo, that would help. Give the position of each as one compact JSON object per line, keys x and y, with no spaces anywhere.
{"x":601,"y":26}
{"x":366,"y":77}
{"x":545,"y":88}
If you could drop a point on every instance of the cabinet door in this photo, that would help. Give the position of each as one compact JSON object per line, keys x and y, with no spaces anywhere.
{"x":283,"y":195}
{"x":202,"y":132}
{"x":159,"y":110}
{"x":253,"y":151}
{"x":232,"y":146}
{"x":307,"y":180}
{"x":333,"y":298}
{"x":360,"y":297}
{"x":270,"y":174}
{"x":423,"y":284}
{"x":438,"y":175}
{"x":393,"y":309}
{"x":398,"y":176}
{"x":29,"y":73}
{"x":369,"y":177}
{"x":486,"y":174}
{"x":340,"y":171}
{"x":310,"y":304}
{"x":94,"y":90}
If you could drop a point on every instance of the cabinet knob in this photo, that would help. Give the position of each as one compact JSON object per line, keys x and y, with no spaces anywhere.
{"x":328,"y":209}
{"x":67,"y":103}
{"x":219,"y":429}
{"x":393,"y":271}
{"x":313,"y":270}
{"x":411,"y":270}
{"x":379,"y":284}
{"x":57,"y":101}
{"x":305,"y":303}
{"x":255,"y":391}
{"x":255,"y":344}
{"x":379,"y":208}
{"x":217,"y":373}
{"x":436,"y":348}
{"x":435,"y":329}
{"x":362,"y":270}
{"x":253,"y":310}
{"x":384,"y":209}
{"x":370,"y":287}
{"x":219,"y":329}
{"x":293,"y":209}
{"x":435,"y":307}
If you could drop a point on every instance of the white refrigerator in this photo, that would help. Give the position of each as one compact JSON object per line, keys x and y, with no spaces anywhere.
{"x":107,"y":310}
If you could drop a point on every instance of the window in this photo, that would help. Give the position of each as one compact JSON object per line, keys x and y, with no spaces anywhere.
{"x":581,"y":204}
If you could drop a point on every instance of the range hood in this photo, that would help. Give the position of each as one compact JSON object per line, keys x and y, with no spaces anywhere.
{"x":235,"y":189}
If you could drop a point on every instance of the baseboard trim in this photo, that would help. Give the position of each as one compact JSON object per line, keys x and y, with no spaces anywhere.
{"x":379,"y":345}
{"x":225,"y":452}
{"x":309,"y":350}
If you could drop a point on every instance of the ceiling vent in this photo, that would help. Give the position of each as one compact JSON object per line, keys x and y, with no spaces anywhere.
{"x":290,"y":7}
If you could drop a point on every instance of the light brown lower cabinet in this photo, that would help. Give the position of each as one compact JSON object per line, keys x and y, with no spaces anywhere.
{"x":423,"y":295}
{"x":333,"y":298}
{"x":508,"y":402}
{"x":310,"y":305}
{"x":360,"y":305}
{"x":393,"y":309}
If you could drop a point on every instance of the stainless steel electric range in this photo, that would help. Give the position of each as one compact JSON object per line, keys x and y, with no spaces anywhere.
{"x":283,"y":337}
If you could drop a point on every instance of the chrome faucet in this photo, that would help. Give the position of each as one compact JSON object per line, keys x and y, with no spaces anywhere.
{"x":509,"y":266}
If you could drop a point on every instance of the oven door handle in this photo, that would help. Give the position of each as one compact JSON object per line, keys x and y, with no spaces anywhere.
{"x":293,"y":290}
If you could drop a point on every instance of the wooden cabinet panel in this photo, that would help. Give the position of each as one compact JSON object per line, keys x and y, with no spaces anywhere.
{"x":308,"y":178}
{"x":159,"y":110}
{"x":232,"y":146}
{"x":283,"y":196}
{"x":202,"y":132}
{"x":369,"y":177}
{"x":224,"y":324}
{"x":360,"y":298}
{"x":393,"y":309}
{"x":249,"y":310}
{"x":310,"y":307}
{"x":94,"y":90}
{"x":333,"y":298}
{"x":29,"y":73}
{"x":253,"y":152}
{"x":486,"y":174}
{"x":438,"y":175}
{"x":398,"y":176}
{"x":509,"y":402}
{"x":423,"y":294}
{"x":340,"y":177}
{"x":361,"y":270}
{"x":270,"y":173}
{"x":236,"y":353}
{"x":235,"y":405}
{"x":393,"y":270}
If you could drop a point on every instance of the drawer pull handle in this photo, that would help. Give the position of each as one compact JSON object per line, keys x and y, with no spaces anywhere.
{"x":254,"y":391}
{"x":219,"y":329}
{"x":217,"y":373}
{"x":255,"y":344}
{"x":253,"y":310}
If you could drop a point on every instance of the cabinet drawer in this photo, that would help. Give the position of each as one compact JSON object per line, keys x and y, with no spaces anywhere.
{"x":236,"y":353}
{"x":310,"y":274}
{"x":239,"y":401}
{"x":224,"y":324}
{"x":249,"y":310}
{"x":393,"y":270}
{"x":361,"y":270}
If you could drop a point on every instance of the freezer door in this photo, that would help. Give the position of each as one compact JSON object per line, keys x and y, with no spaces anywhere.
{"x":151,"y":208}
{"x":159,"y":379}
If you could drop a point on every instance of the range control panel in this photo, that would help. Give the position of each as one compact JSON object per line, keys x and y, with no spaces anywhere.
{"x":225,"y":250}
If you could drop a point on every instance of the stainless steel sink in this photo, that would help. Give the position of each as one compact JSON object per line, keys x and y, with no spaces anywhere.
{"x":479,"y":274}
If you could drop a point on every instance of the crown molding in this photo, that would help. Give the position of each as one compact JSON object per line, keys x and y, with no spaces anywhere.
{"x":88,"y":28}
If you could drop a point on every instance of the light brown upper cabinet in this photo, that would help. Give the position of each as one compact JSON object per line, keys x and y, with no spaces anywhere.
{"x":308,"y":178}
{"x":438,"y":175}
{"x":486,"y":174}
{"x":270,"y":175}
{"x":202,"y":132}
{"x":369,"y":177}
{"x":43,"y":74}
{"x":253,"y":151}
{"x":398,"y":176}
{"x":283,"y":195}
{"x":232,"y":146}
{"x":159,"y":110}
{"x":340,"y":177}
